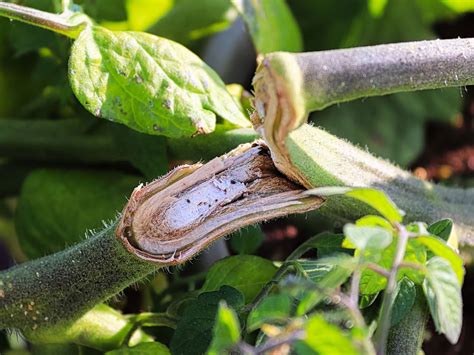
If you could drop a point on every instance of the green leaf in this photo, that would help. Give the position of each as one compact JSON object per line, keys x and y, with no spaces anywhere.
{"x":443,"y":293}
{"x":439,"y":247}
{"x":371,"y":282}
{"x":150,"y":84}
{"x":442,"y":228}
{"x":247,"y":240}
{"x":368,"y":240}
{"x":274,"y":308}
{"x":182,"y":25}
{"x":324,"y":338}
{"x":102,"y":328}
{"x":404,"y":300}
{"x":265,"y":19}
{"x":374,"y":221}
{"x":374,"y":198}
{"x":57,"y":207}
{"x":226,"y":332}
{"x":460,"y":6}
{"x":327,"y":273}
{"x":377,"y":7}
{"x":246,"y":273}
{"x":193,"y":334}
{"x":153,"y":348}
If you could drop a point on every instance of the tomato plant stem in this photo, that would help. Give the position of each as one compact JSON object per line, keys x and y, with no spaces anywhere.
{"x":76,"y":141}
{"x":389,"y":293}
{"x":45,"y":295}
{"x":68,"y":24}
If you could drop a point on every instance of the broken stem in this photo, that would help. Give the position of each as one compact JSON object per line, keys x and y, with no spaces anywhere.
{"x":164,"y":223}
{"x":316,"y":80}
{"x":289,"y":86}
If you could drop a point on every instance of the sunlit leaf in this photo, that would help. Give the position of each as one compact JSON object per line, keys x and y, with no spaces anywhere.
{"x":327,"y":273}
{"x":439,"y":247}
{"x":324,"y":338}
{"x":372,"y":282}
{"x":377,"y":7}
{"x":150,"y":84}
{"x":367,"y":239}
{"x":374,"y":198}
{"x":152,"y":348}
{"x":144,"y":13}
{"x":374,"y":221}
{"x":443,"y":293}
{"x":226,"y":332}
{"x":367,"y":300}
{"x":182,"y":25}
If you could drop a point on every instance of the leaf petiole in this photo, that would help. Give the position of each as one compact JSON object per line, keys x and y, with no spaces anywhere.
{"x":68,"y":23}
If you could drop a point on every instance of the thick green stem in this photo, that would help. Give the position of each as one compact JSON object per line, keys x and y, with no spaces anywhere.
{"x":288,"y":86}
{"x":68,"y":24}
{"x":164,"y":223}
{"x":76,"y":140}
{"x":347,"y":74}
{"x":68,"y":141}
{"x":49,"y":293}
{"x":325,"y":160}
{"x":321,"y":79}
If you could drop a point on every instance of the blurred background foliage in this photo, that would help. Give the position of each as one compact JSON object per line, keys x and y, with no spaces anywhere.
{"x":62,"y":171}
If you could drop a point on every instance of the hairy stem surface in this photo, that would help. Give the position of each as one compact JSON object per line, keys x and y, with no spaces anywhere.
{"x":54,"y":290}
{"x":289,"y":86}
{"x":166,"y":222}
{"x":325,"y":160}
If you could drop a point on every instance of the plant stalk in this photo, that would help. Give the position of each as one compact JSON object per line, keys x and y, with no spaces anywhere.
{"x":325,"y":160}
{"x":44,"y":295}
{"x":389,"y":292}
{"x":83,"y":141}
{"x":289,"y":86}
{"x":165,"y":223}
{"x":67,"y":24}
